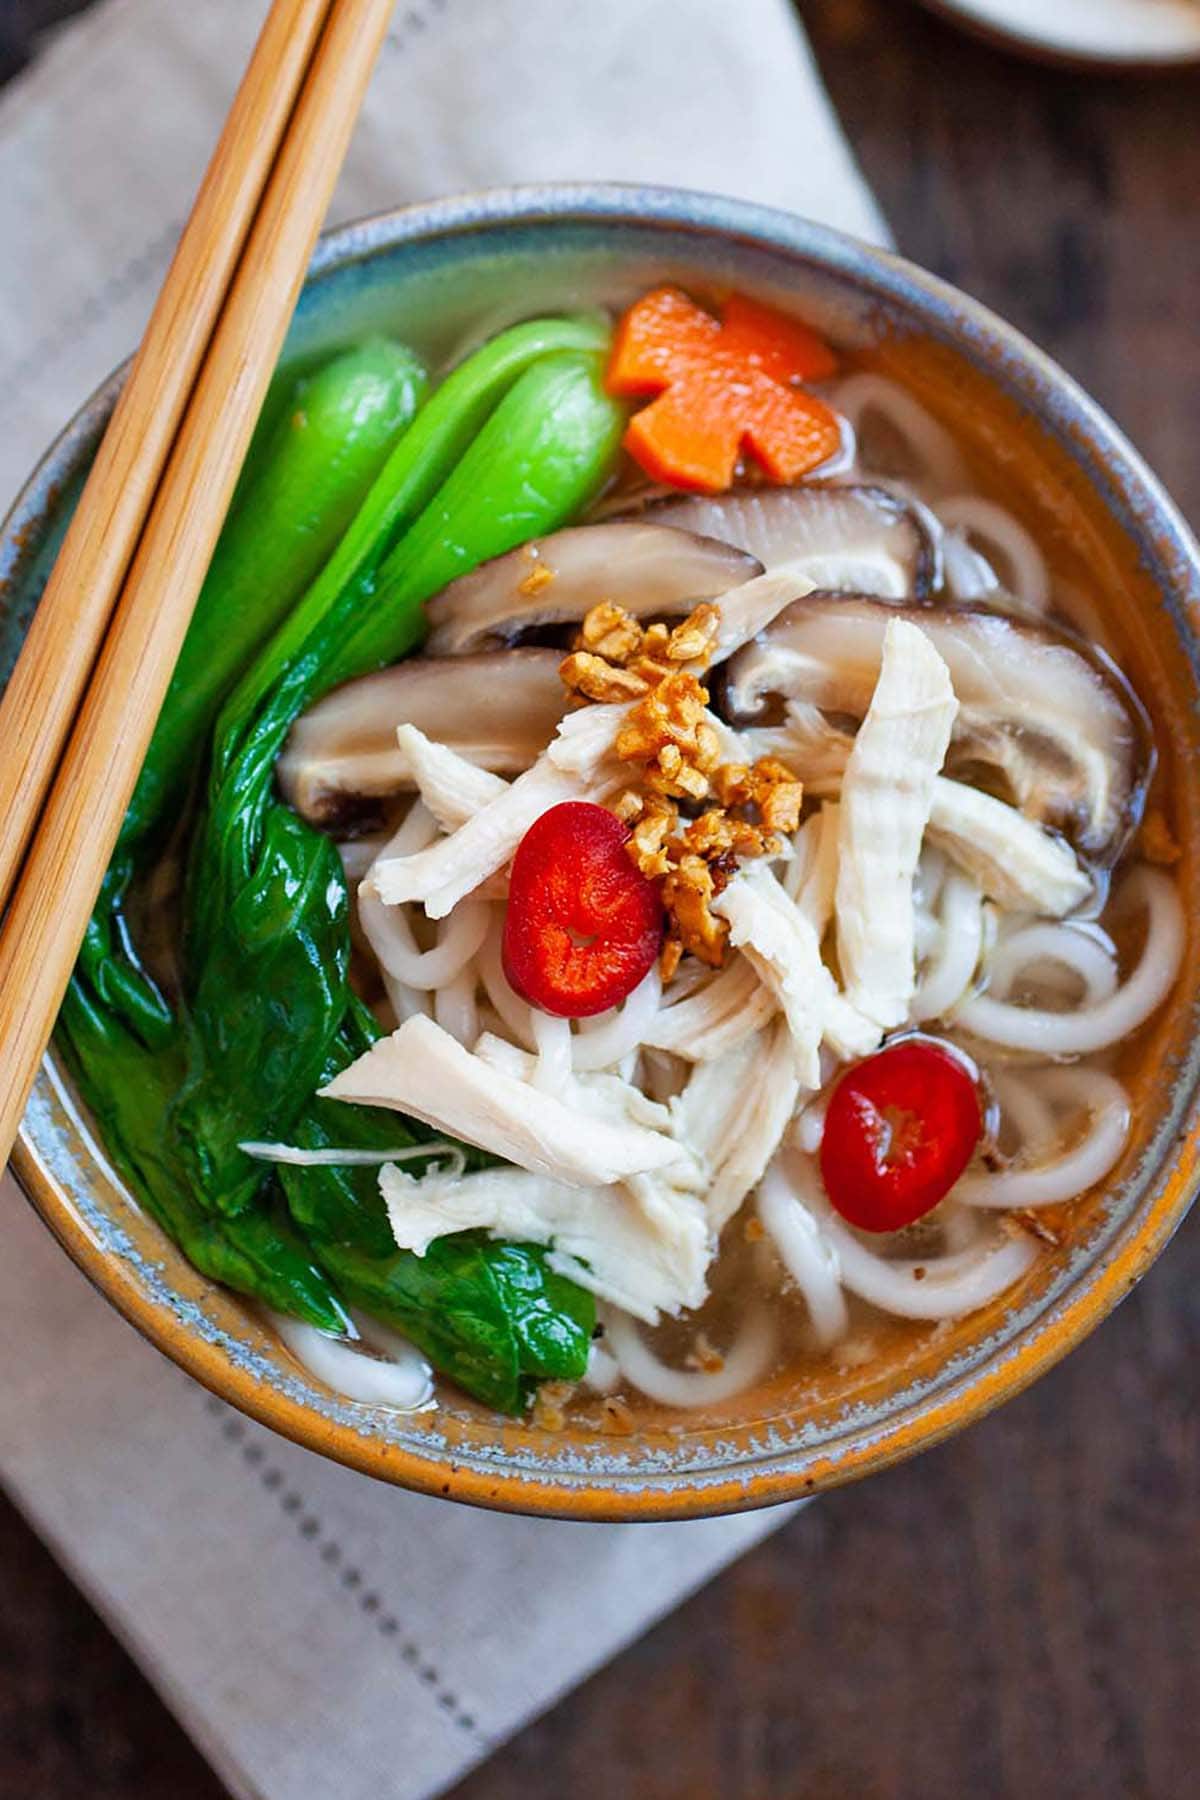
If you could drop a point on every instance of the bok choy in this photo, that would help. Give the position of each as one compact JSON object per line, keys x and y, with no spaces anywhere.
{"x":511,"y":445}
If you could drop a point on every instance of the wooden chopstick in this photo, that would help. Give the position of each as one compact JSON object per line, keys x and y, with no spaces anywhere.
{"x":60,"y":650}
{"x":74,"y":838}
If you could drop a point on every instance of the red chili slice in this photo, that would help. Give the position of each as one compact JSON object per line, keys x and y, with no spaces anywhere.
{"x":900,"y":1129}
{"x":583,"y":925}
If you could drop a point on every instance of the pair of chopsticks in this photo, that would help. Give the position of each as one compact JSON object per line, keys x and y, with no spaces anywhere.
{"x":80,"y":708}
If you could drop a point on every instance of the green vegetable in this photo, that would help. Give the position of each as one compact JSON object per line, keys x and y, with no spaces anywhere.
{"x":267,"y":942}
{"x":339,"y":1203}
{"x":315,"y":470}
{"x":512,"y":444}
{"x":291,"y":509}
{"x":409,"y":480}
{"x":269,"y":997}
{"x":493,"y":1317}
{"x":130,"y":1090}
{"x":538,"y":460}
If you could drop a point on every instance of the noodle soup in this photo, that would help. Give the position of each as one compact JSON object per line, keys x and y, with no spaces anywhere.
{"x":812,"y":1030}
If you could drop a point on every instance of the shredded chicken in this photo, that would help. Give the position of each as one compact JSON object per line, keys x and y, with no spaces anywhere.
{"x":887,"y":793}
{"x":710,"y":1022}
{"x":584,"y":741}
{"x":750,"y":608}
{"x":783,"y":946}
{"x":422,"y":1070}
{"x":453,"y":788}
{"x":734,"y":1112}
{"x":811,"y":880}
{"x":649,"y":1260}
{"x":573,"y":768}
{"x":816,"y":749}
{"x":1015,"y":861}
{"x":451,"y":868}
{"x":811,"y":877}
{"x":598,"y":1094}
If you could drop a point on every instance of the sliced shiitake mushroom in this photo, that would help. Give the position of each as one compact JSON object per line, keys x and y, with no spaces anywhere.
{"x":499,"y":710}
{"x":652,"y":570}
{"x":1061,"y":730}
{"x":844,"y":537}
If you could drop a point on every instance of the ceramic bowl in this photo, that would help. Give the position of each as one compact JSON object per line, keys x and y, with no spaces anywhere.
{"x":1134,"y":35}
{"x":436,"y":274}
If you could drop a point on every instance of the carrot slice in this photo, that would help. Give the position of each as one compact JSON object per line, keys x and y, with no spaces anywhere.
{"x":721,"y":386}
{"x":791,"y":433}
{"x":664,"y":439}
{"x":783,"y":348}
{"x":660,"y":335}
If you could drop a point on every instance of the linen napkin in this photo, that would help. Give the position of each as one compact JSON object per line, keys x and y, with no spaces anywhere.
{"x":316,"y":1632}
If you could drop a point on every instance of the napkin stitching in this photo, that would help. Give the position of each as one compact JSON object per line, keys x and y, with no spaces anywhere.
{"x":333,"y":1555}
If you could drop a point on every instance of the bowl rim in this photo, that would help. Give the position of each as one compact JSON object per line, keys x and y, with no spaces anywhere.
{"x":1130,"y":491}
{"x":978,"y":20}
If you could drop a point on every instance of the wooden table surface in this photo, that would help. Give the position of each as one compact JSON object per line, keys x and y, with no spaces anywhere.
{"x":1015,"y":1614}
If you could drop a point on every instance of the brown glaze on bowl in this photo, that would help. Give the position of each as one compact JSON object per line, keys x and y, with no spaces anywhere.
{"x":456,"y":270}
